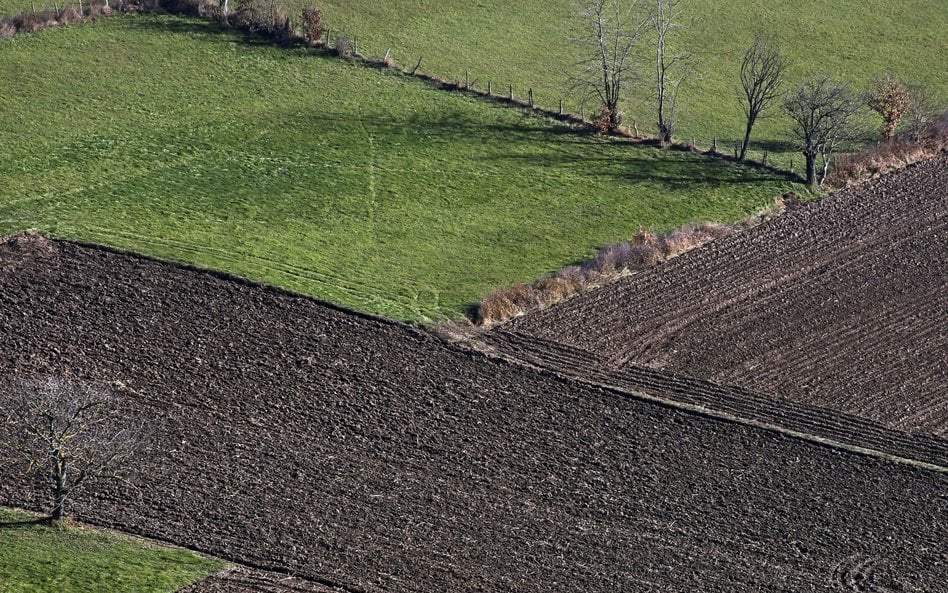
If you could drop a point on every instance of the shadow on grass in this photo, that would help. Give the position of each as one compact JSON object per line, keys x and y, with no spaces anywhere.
{"x":25,"y":523}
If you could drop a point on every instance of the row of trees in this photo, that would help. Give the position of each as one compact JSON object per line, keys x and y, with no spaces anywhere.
{"x":612,"y":35}
{"x":620,"y":37}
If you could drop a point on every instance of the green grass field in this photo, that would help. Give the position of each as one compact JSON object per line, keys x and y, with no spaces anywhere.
{"x":528,"y":44}
{"x":40,"y":559}
{"x":362,"y":187}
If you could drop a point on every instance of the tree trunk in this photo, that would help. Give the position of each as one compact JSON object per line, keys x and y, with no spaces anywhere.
{"x":747,"y":139}
{"x":60,"y":469}
{"x":59,"y":507}
{"x":810,"y":168}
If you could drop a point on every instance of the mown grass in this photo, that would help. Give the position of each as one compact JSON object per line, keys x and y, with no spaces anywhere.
{"x":363,"y":187}
{"x":40,"y":559}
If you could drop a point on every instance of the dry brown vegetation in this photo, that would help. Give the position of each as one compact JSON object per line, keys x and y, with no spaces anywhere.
{"x":643,"y":251}
{"x":900,"y":152}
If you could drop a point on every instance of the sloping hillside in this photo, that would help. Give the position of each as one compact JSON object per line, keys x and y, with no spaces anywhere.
{"x":842,"y":305}
{"x":360,"y":186}
{"x":367,"y":455}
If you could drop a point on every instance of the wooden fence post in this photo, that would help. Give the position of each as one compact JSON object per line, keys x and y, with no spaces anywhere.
{"x":561,"y":106}
{"x":530,"y":97}
{"x":765,"y":157}
{"x":714,"y":144}
{"x":490,"y":88}
{"x":510,"y":92}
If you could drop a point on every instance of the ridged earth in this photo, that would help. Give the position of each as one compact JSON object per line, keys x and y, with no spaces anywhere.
{"x":841,"y":305}
{"x":368,"y":455}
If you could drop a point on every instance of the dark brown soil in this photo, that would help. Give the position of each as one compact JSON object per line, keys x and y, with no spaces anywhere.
{"x":355,"y":452}
{"x":240,"y":579}
{"x":841,"y":305}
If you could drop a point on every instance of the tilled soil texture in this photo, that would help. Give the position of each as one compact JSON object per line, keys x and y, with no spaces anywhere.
{"x":355,"y":452}
{"x":240,"y":579}
{"x":842,"y":305}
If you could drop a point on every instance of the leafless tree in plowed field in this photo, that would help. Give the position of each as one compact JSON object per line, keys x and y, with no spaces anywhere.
{"x":70,"y":434}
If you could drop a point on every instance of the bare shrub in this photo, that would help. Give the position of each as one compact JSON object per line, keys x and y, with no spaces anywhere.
{"x":645,"y":237}
{"x":890,"y":99}
{"x":7,"y":30}
{"x":645,"y":255}
{"x":496,"y":307}
{"x":343,"y":47}
{"x":312,"y":19}
{"x":573,"y":277}
{"x":678,"y":242}
{"x":612,"y":258}
{"x":606,"y":120}
{"x":210,"y":9}
{"x":30,"y":22}
{"x":555,"y":288}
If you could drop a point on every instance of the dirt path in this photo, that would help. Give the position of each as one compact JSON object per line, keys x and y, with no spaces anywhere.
{"x":366,"y":455}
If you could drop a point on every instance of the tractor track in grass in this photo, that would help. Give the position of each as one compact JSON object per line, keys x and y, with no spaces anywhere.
{"x":368,"y":455}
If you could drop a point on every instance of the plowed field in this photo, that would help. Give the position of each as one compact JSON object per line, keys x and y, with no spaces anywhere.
{"x":841,"y":305}
{"x":360,"y":453}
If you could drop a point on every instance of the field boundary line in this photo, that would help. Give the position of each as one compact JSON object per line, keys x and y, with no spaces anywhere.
{"x":495,"y":353}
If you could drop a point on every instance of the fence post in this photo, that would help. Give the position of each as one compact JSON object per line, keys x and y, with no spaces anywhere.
{"x":635,"y":128}
{"x":735,"y":151}
{"x":490,"y":88}
{"x":765,"y":157}
{"x":791,"y":165}
{"x":582,"y":111}
{"x":694,"y":143}
{"x":714,"y":144}
{"x":530,"y":97}
{"x":510,"y":92}
{"x":467,"y":79}
{"x":561,"y":106}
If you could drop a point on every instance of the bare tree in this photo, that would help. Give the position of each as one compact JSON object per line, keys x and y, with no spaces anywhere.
{"x":890,"y":99}
{"x":68,"y":433}
{"x":922,"y":111}
{"x":762,"y":71}
{"x":670,"y":69}
{"x":610,"y":31}
{"x":822,"y":111}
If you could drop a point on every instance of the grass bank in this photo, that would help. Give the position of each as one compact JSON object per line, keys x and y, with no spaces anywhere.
{"x":36,"y":558}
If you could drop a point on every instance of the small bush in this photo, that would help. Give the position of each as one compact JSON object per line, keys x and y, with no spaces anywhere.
{"x":312,"y":19}
{"x":496,"y":307}
{"x":343,"y":47}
